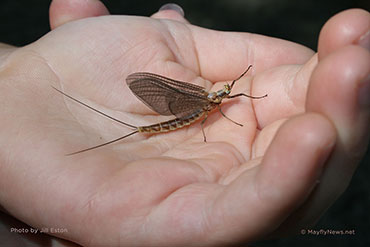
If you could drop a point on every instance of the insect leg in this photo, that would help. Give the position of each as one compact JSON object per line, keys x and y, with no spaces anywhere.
{"x":201,"y":125}
{"x":246,"y":95}
{"x":223,"y":114}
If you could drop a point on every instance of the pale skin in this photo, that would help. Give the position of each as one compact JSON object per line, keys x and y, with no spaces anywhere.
{"x":277,"y":174}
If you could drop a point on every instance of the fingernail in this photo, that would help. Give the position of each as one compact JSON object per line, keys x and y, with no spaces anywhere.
{"x":364,"y":93}
{"x":364,"y":40}
{"x":173,"y":6}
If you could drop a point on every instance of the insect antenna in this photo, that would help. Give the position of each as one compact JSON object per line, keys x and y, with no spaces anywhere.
{"x":243,"y":94}
{"x":245,"y":72}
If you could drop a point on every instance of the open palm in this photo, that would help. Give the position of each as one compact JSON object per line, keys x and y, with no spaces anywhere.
{"x":169,"y":188}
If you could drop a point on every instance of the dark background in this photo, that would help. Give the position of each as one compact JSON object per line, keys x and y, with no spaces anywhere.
{"x":22,"y":22}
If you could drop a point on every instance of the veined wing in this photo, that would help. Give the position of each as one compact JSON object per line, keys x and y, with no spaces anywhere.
{"x":167,"y":96}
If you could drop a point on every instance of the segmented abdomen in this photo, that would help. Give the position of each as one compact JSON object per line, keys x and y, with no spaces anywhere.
{"x":173,"y":124}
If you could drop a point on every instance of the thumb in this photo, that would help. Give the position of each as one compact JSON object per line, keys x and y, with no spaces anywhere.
{"x":63,"y":11}
{"x":171,"y":11}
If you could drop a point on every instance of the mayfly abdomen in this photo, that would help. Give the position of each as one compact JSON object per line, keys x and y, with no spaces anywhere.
{"x":173,"y":124}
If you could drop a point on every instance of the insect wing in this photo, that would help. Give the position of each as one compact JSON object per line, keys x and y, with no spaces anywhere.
{"x":167,"y":96}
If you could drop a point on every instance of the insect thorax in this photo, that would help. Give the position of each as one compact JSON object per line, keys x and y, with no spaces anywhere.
{"x":218,"y":96}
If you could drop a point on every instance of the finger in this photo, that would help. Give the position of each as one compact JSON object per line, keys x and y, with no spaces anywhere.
{"x":286,"y":177}
{"x":287,"y":86}
{"x":225,"y":55}
{"x":171,"y":11}
{"x":348,"y":27}
{"x":63,"y":11}
{"x":340,"y":90}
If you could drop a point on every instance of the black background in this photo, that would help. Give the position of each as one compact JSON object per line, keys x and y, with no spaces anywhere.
{"x":22,"y":22}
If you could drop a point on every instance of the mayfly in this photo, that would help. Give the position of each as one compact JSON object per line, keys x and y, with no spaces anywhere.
{"x":188,"y":102}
